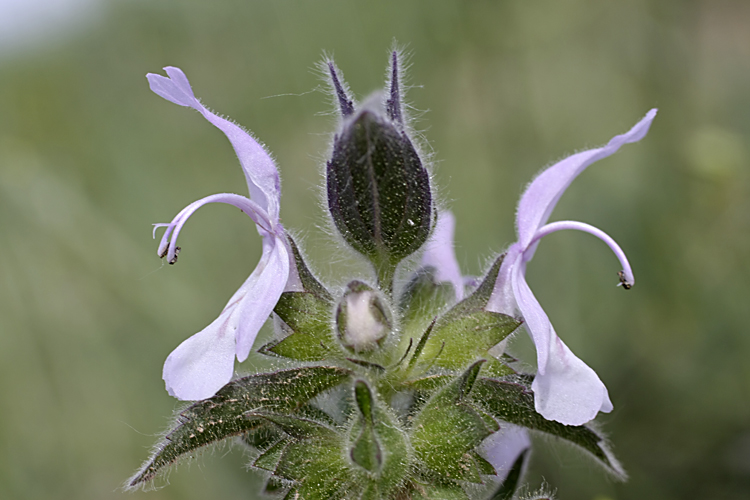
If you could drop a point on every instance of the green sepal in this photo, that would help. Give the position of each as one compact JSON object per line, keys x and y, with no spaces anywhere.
{"x":365,"y":450}
{"x":513,"y":402}
{"x":262,"y":436}
{"x":309,"y":317}
{"x":421,"y":300}
{"x":464,"y":338}
{"x":509,"y":486}
{"x":429,"y":383}
{"x":269,"y":459}
{"x":448,"y":428}
{"x":317,"y":469}
{"x":309,"y":282}
{"x":481,"y":296}
{"x":225,"y":414}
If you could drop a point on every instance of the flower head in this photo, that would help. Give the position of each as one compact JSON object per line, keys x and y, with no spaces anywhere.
{"x":202,"y":364}
{"x":565,"y":388}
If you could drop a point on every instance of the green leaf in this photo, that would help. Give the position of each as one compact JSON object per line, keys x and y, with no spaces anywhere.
{"x":448,"y":428}
{"x":513,"y":402}
{"x":262,"y":436}
{"x":466,"y":337}
{"x":466,"y":331}
{"x":508,"y":488}
{"x":273,"y":485}
{"x":485,"y":468}
{"x":296,"y":427}
{"x":309,"y":317}
{"x":318,"y":469}
{"x":224,"y":415}
{"x":269,"y":459}
{"x":478,"y":300}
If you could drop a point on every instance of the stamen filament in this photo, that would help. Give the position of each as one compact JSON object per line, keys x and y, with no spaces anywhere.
{"x":168,"y":245}
{"x":627,"y":279}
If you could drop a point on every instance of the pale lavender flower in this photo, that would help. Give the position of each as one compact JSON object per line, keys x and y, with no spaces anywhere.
{"x":439,"y":253}
{"x":565,"y":388}
{"x":204,"y":363}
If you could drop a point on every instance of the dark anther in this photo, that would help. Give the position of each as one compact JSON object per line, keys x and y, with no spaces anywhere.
{"x":347,"y":107}
{"x":176,"y":254}
{"x":623,"y":281}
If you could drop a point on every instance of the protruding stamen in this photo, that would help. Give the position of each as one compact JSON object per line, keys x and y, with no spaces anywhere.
{"x":627,"y":280}
{"x":627,"y":285}
{"x":168,"y":247}
{"x":176,"y":254}
{"x":346,"y":104}
{"x":393,"y":104}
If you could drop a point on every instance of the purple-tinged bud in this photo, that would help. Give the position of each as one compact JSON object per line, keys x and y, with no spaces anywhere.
{"x":378,"y":189}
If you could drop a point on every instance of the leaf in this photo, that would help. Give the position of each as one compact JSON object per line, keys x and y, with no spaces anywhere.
{"x":269,"y":459}
{"x":513,"y":402}
{"x":317,"y":468}
{"x":479,"y":298}
{"x":309,"y":317}
{"x":439,"y":492}
{"x":447,"y":429}
{"x":224,"y":415}
{"x":466,"y":337}
{"x":466,"y":332}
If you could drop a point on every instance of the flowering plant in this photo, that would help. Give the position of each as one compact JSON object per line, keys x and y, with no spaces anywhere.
{"x":394,"y":385}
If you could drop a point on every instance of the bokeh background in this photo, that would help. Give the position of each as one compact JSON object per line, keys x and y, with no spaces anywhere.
{"x":90,"y":158}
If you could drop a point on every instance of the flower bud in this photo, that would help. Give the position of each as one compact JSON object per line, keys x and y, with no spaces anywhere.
{"x":378,"y":189}
{"x":361,"y":318}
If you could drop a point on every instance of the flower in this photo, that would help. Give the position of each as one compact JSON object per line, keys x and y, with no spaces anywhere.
{"x":439,"y":253}
{"x":204,"y":363}
{"x":565,"y":388}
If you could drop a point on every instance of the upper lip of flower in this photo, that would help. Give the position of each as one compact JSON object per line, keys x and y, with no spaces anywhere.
{"x":565,"y":388}
{"x":203,"y":363}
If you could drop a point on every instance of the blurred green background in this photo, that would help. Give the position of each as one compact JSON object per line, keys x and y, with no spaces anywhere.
{"x":89,"y":158}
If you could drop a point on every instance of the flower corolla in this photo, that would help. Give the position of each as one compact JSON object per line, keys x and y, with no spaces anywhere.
{"x":204,"y":363}
{"x":565,"y":388}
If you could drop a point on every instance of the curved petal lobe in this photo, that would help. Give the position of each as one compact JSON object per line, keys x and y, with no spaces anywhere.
{"x":204,"y":363}
{"x":543,"y":193}
{"x":260,"y":170}
{"x":261,"y":291}
{"x":537,"y":323}
{"x":568,"y":390}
